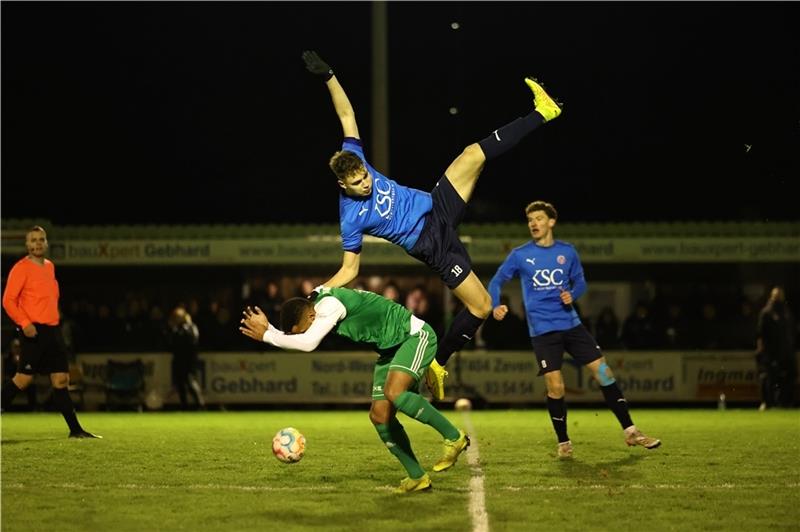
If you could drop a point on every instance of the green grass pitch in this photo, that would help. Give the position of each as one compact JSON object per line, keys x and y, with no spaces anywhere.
{"x":716,"y":470}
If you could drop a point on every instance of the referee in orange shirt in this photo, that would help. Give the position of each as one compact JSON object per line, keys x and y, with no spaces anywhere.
{"x":31,"y":300}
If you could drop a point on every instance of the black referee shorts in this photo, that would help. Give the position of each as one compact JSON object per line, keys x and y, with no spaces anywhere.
{"x":45,"y":353}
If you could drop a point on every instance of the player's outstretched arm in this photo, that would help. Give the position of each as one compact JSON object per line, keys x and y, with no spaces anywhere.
{"x":351,"y":262}
{"x":344,"y":110}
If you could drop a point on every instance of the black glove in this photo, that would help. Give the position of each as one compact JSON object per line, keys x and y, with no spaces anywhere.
{"x":317,"y":66}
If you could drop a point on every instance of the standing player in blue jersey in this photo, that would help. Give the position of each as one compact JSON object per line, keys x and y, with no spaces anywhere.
{"x":424,"y":224}
{"x":551,"y":276}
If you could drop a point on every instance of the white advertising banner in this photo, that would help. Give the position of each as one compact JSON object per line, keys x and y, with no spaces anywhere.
{"x":323,"y":377}
{"x":733,"y":373}
{"x":511,"y":377}
{"x":327,"y":249}
{"x":490,"y":377}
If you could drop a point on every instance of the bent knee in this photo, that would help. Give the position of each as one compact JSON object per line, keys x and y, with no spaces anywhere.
{"x":604,"y":375}
{"x":22,"y":380}
{"x":485,"y":307}
{"x":474,"y":154}
{"x":393,"y":394}
{"x":554,"y":384}
{"x":481,"y":307}
{"x":59,"y":380}
{"x":378,"y":418}
{"x":380,"y":412}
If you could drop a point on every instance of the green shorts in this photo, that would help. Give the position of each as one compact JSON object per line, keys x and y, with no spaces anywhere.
{"x":412,"y":356}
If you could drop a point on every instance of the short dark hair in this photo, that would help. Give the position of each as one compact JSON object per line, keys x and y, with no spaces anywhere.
{"x":540,"y":205}
{"x":291,"y":312}
{"x":345,"y":163}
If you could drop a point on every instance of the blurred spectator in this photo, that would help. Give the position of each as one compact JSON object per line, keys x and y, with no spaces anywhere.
{"x":153,"y":339}
{"x":105,"y":329}
{"x":674,"y":329}
{"x":711,"y":331}
{"x":775,"y":340}
{"x":606,"y":329}
{"x":509,"y":333}
{"x":270,"y":302}
{"x":742,"y":331}
{"x":306,"y":287}
{"x":391,"y":292}
{"x":10,"y":366}
{"x":638,"y":330}
{"x":182,"y":338}
{"x":419,"y":305}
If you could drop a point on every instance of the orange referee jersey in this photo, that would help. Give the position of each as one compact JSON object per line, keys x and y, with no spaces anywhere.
{"x":31,"y":294}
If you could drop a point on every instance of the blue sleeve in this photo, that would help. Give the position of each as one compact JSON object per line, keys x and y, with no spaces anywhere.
{"x":506,"y":271}
{"x":354,"y":145}
{"x":351,"y":237}
{"x":576,"y":279}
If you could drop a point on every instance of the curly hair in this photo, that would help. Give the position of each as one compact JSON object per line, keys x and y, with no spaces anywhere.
{"x":345,"y":163}
{"x":539,"y":205}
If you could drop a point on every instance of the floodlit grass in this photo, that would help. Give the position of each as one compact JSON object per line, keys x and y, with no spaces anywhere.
{"x":731,"y":470}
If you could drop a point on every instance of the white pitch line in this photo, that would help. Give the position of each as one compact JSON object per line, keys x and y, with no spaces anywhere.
{"x":589,"y":487}
{"x":142,"y":487}
{"x":477,"y":496}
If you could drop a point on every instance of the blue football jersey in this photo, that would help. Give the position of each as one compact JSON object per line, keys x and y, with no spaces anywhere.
{"x":544,"y":272}
{"x":391,"y":211}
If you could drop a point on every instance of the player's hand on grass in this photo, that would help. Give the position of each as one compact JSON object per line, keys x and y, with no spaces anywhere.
{"x":499,"y":312}
{"x":254,"y":323}
{"x":316,"y":65}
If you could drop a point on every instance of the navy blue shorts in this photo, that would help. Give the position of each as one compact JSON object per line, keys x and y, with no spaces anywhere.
{"x":45,"y":353}
{"x":438,"y":245}
{"x":550,"y":347}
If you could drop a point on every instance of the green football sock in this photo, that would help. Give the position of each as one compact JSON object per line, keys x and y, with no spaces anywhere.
{"x":408,"y":460}
{"x":400,"y":437}
{"x":415,"y":406}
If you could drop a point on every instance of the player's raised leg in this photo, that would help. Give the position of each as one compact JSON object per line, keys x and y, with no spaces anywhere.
{"x":463,"y":172}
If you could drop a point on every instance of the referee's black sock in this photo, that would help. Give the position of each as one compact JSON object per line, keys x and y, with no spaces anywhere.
{"x":461,"y":331}
{"x":63,"y":402}
{"x":10,"y":390}
{"x":508,"y":136}
{"x":617,"y":403}
{"x":558,"y":415}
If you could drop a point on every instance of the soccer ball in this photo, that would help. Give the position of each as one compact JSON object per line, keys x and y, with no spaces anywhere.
{"x":154,"y":400}
{"x":463,"y":404}
{"x":289,"y":445}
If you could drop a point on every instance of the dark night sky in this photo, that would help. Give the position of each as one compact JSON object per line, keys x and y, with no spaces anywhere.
{"x":203,"y":112}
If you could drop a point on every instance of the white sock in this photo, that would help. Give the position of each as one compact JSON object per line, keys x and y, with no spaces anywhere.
{"x":630,"y":430}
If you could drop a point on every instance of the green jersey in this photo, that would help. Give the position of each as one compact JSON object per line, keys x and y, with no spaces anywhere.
{"x":370,"y":318}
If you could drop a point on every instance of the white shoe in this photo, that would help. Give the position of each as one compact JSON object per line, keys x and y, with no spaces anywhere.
{"x":564,"y":450}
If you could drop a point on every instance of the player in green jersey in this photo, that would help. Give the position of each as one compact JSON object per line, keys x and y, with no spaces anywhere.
{"x":405,"y":345}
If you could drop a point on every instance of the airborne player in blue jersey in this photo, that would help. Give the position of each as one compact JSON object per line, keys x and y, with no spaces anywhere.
{"x":552,"y":279}
{"x":424,"y":224}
